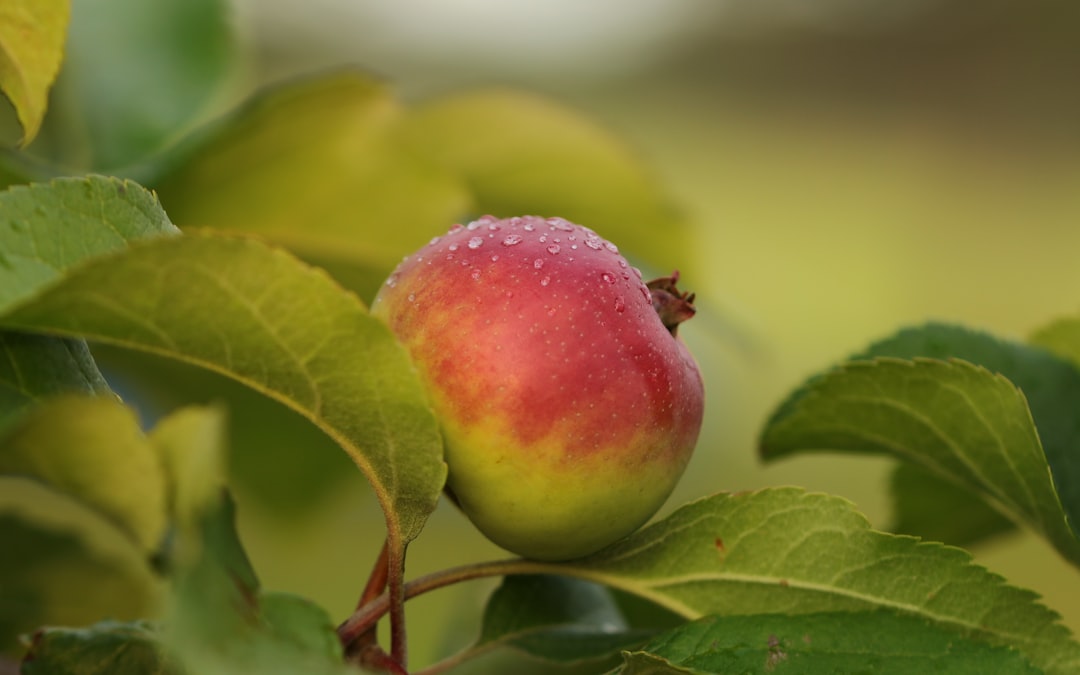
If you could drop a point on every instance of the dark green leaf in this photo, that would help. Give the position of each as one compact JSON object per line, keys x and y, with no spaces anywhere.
{"x":864,"y":642}
{"x":929,"y":507}
{"x":964,"y":424}
{"x":136,"y":75}
{"x":33,"y":367}
{"x":260,"y":316}
{"x":46,"y":229}
{"x":557,"y":619}
{"x":302,"y":623}
{"x":785,"y":551}
{"x":106,"y":648}
{"x":31,"y":50}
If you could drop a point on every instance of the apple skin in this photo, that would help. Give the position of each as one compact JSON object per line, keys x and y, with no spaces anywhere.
{"x":569,"y":410}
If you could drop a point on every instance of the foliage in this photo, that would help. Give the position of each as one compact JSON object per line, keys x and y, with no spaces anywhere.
{"x":292,"y":208}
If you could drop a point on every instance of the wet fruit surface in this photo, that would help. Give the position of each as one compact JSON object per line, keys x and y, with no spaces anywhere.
{"x":569,"y":409}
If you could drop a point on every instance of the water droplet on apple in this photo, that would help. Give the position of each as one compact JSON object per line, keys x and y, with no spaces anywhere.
{"x":412,"y":297}
{"x":607,"y":278}
{"x":637,"y":272}
{"x":573,"y":247}
{"x":456,"y":227}
{"x":495,"y":258}
{"x":453,"y":247}
{"x":620,"y":305}
{"x":474,"y":225}
{"x":512,"y":240}
{"x":434,"y":240}
{"x":475,"y":274}
{"x":475,"y":243}
{"x":611,"y":247}
{"x":560,"y":224}
{"x":538,"y":263}
{"x":594,"y":242}
{"x":528,"y":227}
{"x":545,"y":281}
{"x":553,"y":249}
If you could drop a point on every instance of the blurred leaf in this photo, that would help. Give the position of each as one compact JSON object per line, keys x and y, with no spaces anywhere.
{"x":302,"y":623}
{"x":317,"y":165}
{"x":260,"y":316}
{"x":47,"y":228}
{"x":1062,"y":337}
{"x":218,"y":622}
{"x":1050,"y":389}
{"x":106,"y":648}
{"x":521,"y":154}
{"x":933,"y":508}
{"x":644,"y":663}
{"x":93,"y":450}
{"x":263,"y":435}
{"x":31,"y":49}
{"x":859,"y":642}
{"x":556,"y":619}
{"x":785,"y":551}
{"x":959,"y":421}
{"x":136,"y":75}
{"x":191,"y":445}
{"x":34,"y":367}
{"x":63,"y":564}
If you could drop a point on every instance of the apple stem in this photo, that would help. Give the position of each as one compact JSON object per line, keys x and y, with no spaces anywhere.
{"x":670,"y":303}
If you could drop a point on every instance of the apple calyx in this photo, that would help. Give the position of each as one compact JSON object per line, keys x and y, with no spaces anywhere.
{"x":670,"y":303}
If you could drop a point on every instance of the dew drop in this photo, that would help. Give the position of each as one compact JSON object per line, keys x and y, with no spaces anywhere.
{"x":475,"y":243}
{"x":494,"y":258}
{"x":475,"y":274}
{"x":622,"y":263}
{"x":560,"y":224}
{"x":553,"y":249}
{"x":551,"y":312}
{"x":594,"y":243}
{"x":412,"y":297}
{"x":573,"y":247}
{"x":620,"y":305}
{"x":637,"y":272}
{"x":474,"y":225}
{"x":543,"y":238}
{"x":528,"y":227}
{"x":512,"y":240}
{"x":453,"y":247}
{"x":494,"y":227}
{"x":434,"y":240}
{"x":538,"y":263}
{"x":545,"y":281}
{"x":611,"y":247}
{"x":457,"y":227}
{"x":607,"y":278}
{"x":449,"y":256}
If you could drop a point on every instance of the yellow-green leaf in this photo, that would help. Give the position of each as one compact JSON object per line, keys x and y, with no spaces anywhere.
{"x":32,"y":36}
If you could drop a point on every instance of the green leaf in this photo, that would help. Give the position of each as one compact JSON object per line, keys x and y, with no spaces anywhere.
{"x":136,"y":75}
{"x":191,"y":445}
{"x":1061,"y":337}
{"x":31,"y":50}
{"x":47,"y":228}
{"x":64,"y":564}
{"x":260,"y":316}
{"x":556,"y":619}
{"x":785,"y":551}
{"x":317,"y":165}
{"x":93,"y":450}
{"x":106,"y":648}
{"x":959,"y":421}
{"x":218,"y":621}
{"x":302,"y":623}
{"x":932,"y":508}
{"x":523,"y":154}
{"x":863,"y":642}
{"x":34,"y":367}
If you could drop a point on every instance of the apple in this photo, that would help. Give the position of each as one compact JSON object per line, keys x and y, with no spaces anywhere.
{"x":568,"y":404}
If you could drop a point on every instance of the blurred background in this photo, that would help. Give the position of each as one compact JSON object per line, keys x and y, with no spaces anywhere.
{"x":849,"y":168}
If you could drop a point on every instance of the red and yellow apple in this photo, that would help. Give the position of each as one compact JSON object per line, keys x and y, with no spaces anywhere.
{"x":568,"y":404}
